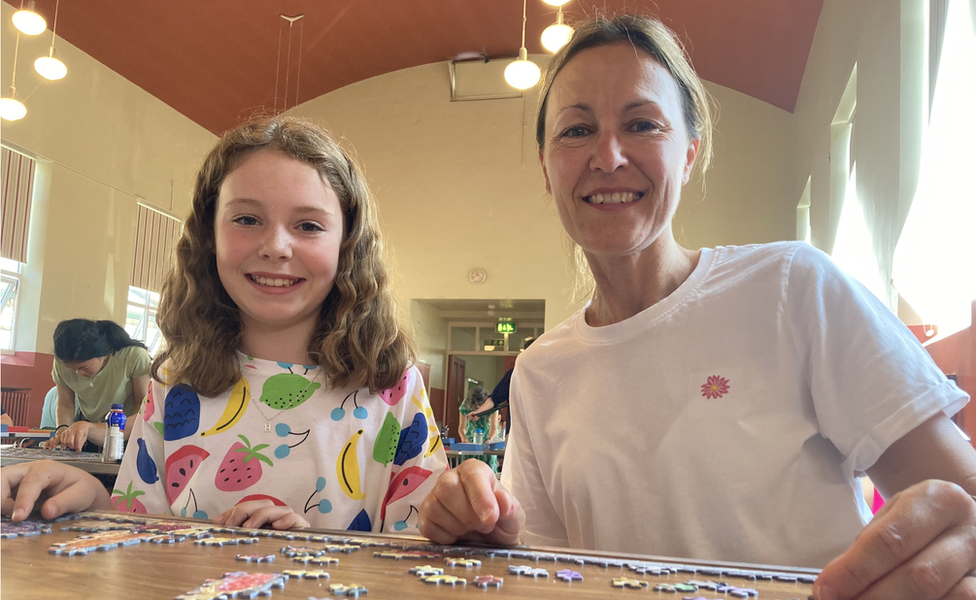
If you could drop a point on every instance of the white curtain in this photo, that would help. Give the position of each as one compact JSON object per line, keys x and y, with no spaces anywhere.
{"x":935,"y":259}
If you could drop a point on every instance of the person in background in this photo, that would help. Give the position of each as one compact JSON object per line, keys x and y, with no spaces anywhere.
{"x":468,"y":425}
{"x":498,"y":400}
{"x":286,"y":395}
{"x":49,"y":414}
{"x":713,"y":403}
{"x":96,"y":364}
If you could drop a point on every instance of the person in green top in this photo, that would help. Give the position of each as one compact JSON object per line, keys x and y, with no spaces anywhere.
{"x":467,"y":425}
{"x":97,"y":364}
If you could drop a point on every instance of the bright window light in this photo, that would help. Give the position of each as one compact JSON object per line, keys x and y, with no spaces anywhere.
{"x":933,"y":268}
{"x":853,"y":249}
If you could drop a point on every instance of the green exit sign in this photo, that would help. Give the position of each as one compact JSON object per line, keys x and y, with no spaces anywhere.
{"x":506,"y":327}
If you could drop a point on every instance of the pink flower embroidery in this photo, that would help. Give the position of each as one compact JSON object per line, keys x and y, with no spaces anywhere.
{"x":716,"y":387}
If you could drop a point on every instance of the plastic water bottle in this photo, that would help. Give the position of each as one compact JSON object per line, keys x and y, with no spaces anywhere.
{"x":479,"y":437}
{"x":116,"y":417}
{"x":114,"y":446}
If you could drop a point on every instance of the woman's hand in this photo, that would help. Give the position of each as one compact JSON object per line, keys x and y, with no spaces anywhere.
{"x":257,"y":513}
{"x":73,"y":436}
{"x":469,"y":503}
{"x":60,"y":488}
{"x":921,"y":544}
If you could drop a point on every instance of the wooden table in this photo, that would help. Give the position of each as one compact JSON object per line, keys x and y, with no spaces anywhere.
{"x":150,"y":570}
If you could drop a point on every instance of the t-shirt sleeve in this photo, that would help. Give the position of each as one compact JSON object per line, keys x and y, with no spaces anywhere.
{"x":141,"y":486}
{"x":138,"y":363}
{"x":871,"y":381}
{"x":521,"y":475}
{"x":414,"y":476}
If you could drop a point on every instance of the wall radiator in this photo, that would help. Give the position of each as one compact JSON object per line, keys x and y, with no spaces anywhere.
{"x":15,"y":401}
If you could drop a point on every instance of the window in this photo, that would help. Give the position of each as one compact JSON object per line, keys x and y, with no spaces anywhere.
{"x":853,"y":247}
{"x":11,"y":270}
{"x":933,"y":268}
{"x":140,"y":318}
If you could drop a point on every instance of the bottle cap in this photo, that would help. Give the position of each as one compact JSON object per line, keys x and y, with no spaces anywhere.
{"x":116,"y":407}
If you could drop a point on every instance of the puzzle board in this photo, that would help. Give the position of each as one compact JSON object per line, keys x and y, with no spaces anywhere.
{"x":115,"y":555}
{"x":54,"y":454}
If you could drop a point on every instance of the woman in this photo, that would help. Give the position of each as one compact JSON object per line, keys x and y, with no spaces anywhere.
{"x":97,"y":364}
{"x":469,"y":424}
{"x":714,"y":403}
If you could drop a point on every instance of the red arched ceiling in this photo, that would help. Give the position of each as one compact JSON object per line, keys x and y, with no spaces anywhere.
{"x":215,"y":61}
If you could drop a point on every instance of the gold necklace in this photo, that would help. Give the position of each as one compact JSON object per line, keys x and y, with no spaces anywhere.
{"x":267,"y":419}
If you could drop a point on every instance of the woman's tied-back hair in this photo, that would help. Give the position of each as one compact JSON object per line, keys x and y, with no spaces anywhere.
{"x":476,"y":397}
{"x":78,"y":340}
{"x":654,"y":38}
{"x":357,"y":340}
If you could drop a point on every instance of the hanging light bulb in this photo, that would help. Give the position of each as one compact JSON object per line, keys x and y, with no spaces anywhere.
{"x":555,"y":2}
{"x":28,"y":21}
{"x":48,"y":66}
{"x":12,"y":109}
{"x":558,"y":35}
{"x":522,"y":73}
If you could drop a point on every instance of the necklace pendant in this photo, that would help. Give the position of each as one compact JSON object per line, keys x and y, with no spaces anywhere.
{"x":267,"y":426}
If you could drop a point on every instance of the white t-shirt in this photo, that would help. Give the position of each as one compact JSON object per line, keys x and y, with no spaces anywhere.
{"x":727,"y":422}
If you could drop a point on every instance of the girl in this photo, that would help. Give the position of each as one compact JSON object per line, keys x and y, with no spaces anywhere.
{"x":96,"y":365}
{"x":285,"y":394}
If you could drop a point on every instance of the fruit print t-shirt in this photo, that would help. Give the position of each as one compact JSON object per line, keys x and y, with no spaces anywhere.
{"x":342,"y":458}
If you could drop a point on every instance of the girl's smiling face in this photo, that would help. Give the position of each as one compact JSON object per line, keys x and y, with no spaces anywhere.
{"x":278,"y":227}
{"x":617,"y":150}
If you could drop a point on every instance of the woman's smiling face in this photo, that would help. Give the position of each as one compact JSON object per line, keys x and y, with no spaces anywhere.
{"x":617,"y":149}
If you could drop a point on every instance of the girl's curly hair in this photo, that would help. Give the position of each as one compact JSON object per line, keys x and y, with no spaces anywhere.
{"x":358,"y":340}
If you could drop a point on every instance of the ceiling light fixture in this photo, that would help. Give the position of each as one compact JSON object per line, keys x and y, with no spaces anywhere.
{"x":28,"y":21}
{"x":12,"y":109}
{"x":48,"y":66}
{"x":522,"y":73}
{"x":555,"y":2}
{"x":558,"y":35}
{"x":301,"y":38}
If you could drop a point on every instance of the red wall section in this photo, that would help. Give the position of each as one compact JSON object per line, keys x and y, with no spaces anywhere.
{"x":29,"y":370}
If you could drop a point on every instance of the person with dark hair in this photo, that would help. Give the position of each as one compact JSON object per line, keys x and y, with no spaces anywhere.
{"x":711,"y":403}
{"x":96,"y":364}
{"x":499,"y":397}
{"x":286,"y":364}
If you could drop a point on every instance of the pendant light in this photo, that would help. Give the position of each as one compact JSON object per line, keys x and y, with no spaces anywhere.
{"x":558,"y":35}
{"x":12,"y":109}
{"x":555,"y":2}
{"x":28,"y":21}
{"x":48,"y":66}
{"x":522,"y":73}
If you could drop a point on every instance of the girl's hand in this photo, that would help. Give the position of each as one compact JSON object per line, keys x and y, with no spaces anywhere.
{"x":74,"y":436}
{"x":257,"y":513}
{"x":921,"y":544}
{"x":469,"y":503}
{"x":60,"y":488}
